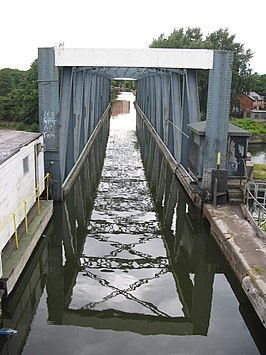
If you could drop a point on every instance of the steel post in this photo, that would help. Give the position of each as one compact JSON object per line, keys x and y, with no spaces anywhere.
{"x":218,"y":106}
{"x":191,"y":110}
{"x":48,"y":92}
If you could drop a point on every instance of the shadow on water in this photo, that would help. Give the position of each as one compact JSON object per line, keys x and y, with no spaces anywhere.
{"x":189,"y":243}
{"x":117,"y":257}
{"x":49,"y":266}
{"x":20,"y":307}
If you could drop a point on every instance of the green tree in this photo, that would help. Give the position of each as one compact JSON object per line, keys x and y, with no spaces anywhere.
{"x":10,"y":79}
{"x":19,"y":95}
{"x":258,"y":83}
{"x":220,"y":40}
{"x":10,"y":105}
{"x":241,"y":70}
{"x":29,"y":109}
{"x":180,"y":38}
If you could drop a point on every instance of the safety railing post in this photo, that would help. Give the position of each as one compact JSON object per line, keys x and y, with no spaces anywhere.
{"x":15,"y":229}
{"x":24,"y":206}
{"x":47,"y":187}
{"x":38,"y":200}
{"x":26,"y":217}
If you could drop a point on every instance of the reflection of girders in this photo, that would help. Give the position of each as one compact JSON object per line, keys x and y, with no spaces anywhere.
{"x":119,"y":247}
{"x":90,"y":262}
{"x":126,"y":292}
{"x":131,"y":322}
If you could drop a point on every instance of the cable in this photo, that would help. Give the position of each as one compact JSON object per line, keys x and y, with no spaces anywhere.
{"x":179,"y":129}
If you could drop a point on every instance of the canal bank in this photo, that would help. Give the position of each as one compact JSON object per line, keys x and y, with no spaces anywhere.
{"x":261,"y":139}
{"x":18,"y":257}
{"x":240,"y":240}
{"x":244,"y":249}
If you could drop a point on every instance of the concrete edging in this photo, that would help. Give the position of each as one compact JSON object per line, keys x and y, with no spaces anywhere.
{"x":244,"y":250}
{"x":19,"y":257}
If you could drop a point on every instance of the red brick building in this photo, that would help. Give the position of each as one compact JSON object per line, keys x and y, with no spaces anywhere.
{"x":251,"y":101}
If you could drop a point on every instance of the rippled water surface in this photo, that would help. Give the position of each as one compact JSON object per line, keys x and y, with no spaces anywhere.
{"x":116,"y":277}
{"x":258,"y":153}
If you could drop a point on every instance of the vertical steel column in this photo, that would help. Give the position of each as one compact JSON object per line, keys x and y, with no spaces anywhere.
{"x":158,"y":105}
{"x":217,"y":114}
{"x":78,"y":107}
{"x":92,"y":103}
{"x":83,"y":139}
{"x":48,"y":90}
{"x":165,"y":103}
{"x":96,"y":103}
{"x":191,"y":110}
{"x":70,"y":157}
{"x":66,"y":120}
{"x":141,"y":93}
{"x":87,"y":98}
{"x":138,"y":93}
{"x":146,"y":95}
{"x":141,"y":96}
{"x":176,"y":112}
{"x":152,"y":101}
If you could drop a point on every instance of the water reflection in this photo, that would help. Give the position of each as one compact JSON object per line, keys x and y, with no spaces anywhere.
{"x":20,"y":308}
{"x":188,"y":244}
{"x":258,"y":154}
{"x":127,"y":263}
{"x":125,"y":255}
{"x":120,"y":107}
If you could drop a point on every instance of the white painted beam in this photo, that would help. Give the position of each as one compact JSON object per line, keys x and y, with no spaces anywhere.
{"x":135,"y":58}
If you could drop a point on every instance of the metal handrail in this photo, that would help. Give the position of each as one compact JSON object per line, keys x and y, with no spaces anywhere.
{"x":24,"y":205}
{"x":260,"y":208}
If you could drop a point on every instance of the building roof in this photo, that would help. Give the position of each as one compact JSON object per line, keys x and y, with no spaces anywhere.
{"x":254,"y":96}
{"x":200,"y":129}
{"x":12,"y":141}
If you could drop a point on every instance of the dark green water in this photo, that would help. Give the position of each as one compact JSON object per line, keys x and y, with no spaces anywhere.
{"x":128,"y":267}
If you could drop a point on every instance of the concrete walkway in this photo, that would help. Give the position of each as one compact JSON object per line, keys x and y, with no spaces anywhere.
{"x":18,"y":258}
{"x":244,"y":250}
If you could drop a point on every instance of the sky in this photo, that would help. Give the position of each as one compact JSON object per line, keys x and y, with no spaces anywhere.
{"x":26,"y":25}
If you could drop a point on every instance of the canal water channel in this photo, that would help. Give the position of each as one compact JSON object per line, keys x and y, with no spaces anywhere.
{"x":127,"y":266}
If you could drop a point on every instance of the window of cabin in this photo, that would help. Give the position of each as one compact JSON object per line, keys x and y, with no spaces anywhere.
{"x":26,"y":165}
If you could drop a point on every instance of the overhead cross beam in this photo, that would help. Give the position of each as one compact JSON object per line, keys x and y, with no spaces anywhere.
{"x":134,"y":58}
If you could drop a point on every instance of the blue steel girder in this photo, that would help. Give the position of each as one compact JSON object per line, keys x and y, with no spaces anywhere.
{"x":190,"y":110}
{"x":158,"y":105}
{"x":176,"y":115}
{"x":68,"y":123}
{"x":89,"y":97}
{"x":66,"y":111}
{"x":174,"y":108}
{"x":165,"y":103}
{"x":170,"y":127}
{"x":48,"y":93}
{"x":78,"y":108}
{"x":87,"y":93}
{"x":218,"y":106}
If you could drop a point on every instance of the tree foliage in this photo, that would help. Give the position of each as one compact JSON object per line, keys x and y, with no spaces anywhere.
{"x":10,"y":79}
{"x":220,"y":40}
{"x":257,"y":83}
{"x":19,"y":95}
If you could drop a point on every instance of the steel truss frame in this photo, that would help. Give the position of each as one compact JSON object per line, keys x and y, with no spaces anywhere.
{"x":167,"y":96}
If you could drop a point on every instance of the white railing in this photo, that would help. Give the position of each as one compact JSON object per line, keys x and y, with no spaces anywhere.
{"x":256,"y":202}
